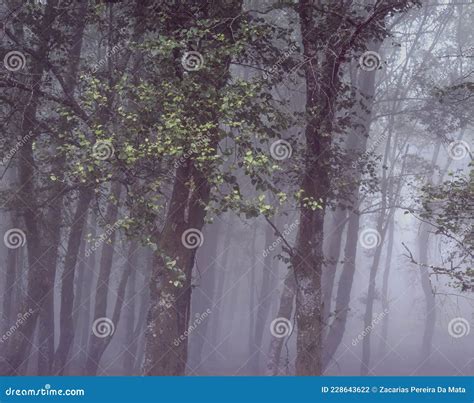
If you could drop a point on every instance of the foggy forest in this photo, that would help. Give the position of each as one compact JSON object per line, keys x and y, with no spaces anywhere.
{"x":236,"y":187}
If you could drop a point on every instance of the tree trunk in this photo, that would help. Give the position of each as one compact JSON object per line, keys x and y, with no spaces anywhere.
{"x":129,"y":312}
{"x":386,"y":215}
{"x":11,"y":277}
{"x":357,"y":144}
{"x":172,"y":271}
{"x":96,"y":343}
{"x":38,"y":271}
{"x":270,"y":271}
{"x":322,"y":84}
{"x":205,"y":297}
{"x":66,"y":320}
{"x":87,"y":290}
{"x":430,"y":301}
{"x":386,"y":274}
{"x":334,"y":251}
{"x":165,"y":325}
{"x":284,"y":311}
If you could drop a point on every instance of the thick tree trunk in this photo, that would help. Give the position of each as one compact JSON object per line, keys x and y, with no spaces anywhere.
{"x":38,"y":276}
{"x":322,"y":82}
{"x":165,"y":352}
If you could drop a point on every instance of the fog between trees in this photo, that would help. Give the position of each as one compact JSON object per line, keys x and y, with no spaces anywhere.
{"x":236,"y":187}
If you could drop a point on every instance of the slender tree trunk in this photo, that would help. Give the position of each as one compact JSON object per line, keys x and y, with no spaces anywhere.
{"x":46,"y":330}
{"x":430,"y":301}
{"x":223,"y":270}
{"x":129,"y":311}
{"x":96,"y":344}
{"x":204,"y":298}
{"x":430,"y":309}
{"x":67,"y":328}
{"x":139,"y":331}
{"x":388,"y":195}
{"x":284,"y":311}
{"x":11,"y":277}
{"x":252,"y":347}
{"x":357,"y":143}
{"x":334,"y":251}
{"x":386,"y":274}
{"x":87,"y":292}
{"x":370,"y":299}
{"x":270,"y":271}
{"x":129,"y":267}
